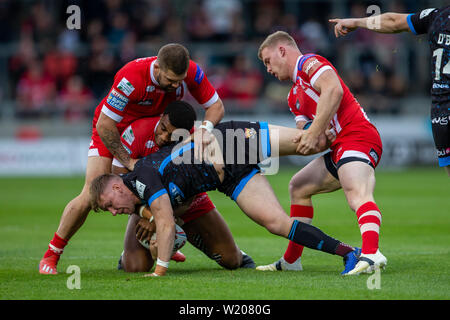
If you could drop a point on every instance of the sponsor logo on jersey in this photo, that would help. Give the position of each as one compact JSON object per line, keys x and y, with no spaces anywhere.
{"x":128,"y":135}
{"x":117,"y":100}
{"x":199,"y":75}
{"x":374,"y":155}
{"x":310,"y":65}
{"x":148,"y":102}
{"x":140,"y":188}
{"x":149,"y":144}
{"x":125,"y":86}
{"x":443,"y":152}
{"x":250,"y":133}
{"x":150,"y":88}
{"x":441,"y":120}
{"x":426,"y":12}
{"x":176,"y":194}
{"x":440,"y":86}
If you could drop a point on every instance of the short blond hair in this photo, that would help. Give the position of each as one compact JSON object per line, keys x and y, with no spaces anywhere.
{"x":97,"y":187}
{"x":275,"y":38}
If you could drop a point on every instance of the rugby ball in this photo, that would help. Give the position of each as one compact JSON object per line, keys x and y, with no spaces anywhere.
{"x":179,"y":242}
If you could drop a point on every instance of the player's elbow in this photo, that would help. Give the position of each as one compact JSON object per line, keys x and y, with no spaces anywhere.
{"x":336,"y":93}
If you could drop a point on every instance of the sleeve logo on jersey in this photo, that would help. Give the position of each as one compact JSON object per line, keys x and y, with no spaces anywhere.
{"x":199,"y":75}
{"x":128,"y":135}
{"x":125,"y":86}
{"x":426,"y":12}
{"x":310,"y":65}
{"x":140,"y":188}
{"x":116,"y":100}
{"x":176,"y":195}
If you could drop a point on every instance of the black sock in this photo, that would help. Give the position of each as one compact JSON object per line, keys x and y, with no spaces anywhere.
{"x":313,"y":238}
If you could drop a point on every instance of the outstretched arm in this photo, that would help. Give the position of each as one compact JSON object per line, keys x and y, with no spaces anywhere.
{"x":165,"y":224}
{"x":389,"y":22}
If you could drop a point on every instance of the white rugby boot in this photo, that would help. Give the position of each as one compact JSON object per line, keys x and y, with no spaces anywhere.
{"x":282,"y":265}
{"x":368,"y":263}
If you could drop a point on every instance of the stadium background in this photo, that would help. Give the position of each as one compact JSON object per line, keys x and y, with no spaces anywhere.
{"x":53,"y":78}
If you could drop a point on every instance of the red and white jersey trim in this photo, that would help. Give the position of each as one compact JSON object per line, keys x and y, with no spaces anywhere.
{"x":318,"y":73}
{"x":211,"y":101}
{"x":111,"y":114}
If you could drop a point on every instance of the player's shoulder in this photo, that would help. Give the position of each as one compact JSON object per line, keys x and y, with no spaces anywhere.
{"x":310,"y":63}
{"x":195,"y":73}
{"x":133,"y":74}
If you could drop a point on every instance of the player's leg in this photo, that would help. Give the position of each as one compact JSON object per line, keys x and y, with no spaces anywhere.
{"x":358,"y":183}
{"x":210,"y":234}
{"x":74,"y":215}
{"x":282,"y":140}
{"x":440,"y":127}
{"x":313,"y":179}
{"x":259,"y":203}
{"x":135,"y":257}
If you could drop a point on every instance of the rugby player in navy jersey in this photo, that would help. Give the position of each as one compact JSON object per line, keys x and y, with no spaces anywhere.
{"x":170,"y":177}
{"x":436,"y":24}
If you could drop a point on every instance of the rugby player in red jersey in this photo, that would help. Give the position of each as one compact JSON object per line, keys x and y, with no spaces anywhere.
{"x":204,"y":226}
{"x":320,"y":101}
{"x":142,"y":88}
{"x":435,"y":23}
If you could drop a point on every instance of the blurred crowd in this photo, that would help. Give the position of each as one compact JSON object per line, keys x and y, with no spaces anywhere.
{"x":53,"y":71}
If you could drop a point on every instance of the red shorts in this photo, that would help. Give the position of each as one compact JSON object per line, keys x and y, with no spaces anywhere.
{"x":97,"y":148}
{"x":199,"y":206}
{"x":357,"y":143}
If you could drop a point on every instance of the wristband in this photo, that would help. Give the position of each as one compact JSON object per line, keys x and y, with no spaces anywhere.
{"x":141,"y":209}
{"x":208,"y":125}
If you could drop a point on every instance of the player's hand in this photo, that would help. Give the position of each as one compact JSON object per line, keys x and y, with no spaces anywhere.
{"x":131,"y":164}
{"x":309,"y":143}
{"x":343,"y":26}
{"x":330,"y":134}
{"x":145,"y":229}
{"x":202,"y":139}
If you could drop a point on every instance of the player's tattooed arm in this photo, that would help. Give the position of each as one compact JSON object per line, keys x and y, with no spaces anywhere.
{"x":110,"y":136}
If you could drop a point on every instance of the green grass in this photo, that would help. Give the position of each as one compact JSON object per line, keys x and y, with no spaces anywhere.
{"x":414,"y":237}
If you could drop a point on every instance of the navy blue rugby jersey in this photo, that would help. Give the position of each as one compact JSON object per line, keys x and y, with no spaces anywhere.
{"x":436,"y":24}
{"x":171,"y":170}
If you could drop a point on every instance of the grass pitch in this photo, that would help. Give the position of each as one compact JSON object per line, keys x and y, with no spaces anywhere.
{"x":414,"y":237}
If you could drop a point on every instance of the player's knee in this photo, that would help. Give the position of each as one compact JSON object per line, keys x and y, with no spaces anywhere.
{"x":232,"y":261}
{"x":274,"y":226}
{"x":299,"y":190}
{"x":355,"y":200}
{"x":136,"y":264}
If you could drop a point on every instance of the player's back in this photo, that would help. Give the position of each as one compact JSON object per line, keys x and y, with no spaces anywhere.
{"x":439,"y":37}
{"x":436,"y":24}
{"x":175,"y":168}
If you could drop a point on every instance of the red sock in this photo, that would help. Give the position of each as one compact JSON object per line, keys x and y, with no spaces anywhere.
{"x":56,"y":246}
{"x":369,"y":220}
{"x":294,"y":250}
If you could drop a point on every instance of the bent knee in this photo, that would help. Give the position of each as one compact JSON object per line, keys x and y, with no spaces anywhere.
{"x":299,"y":190}
{"x":275,"y":227}
{"x":136,"y":264}
{"x":232,"y":261}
